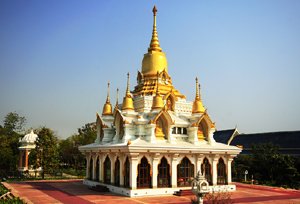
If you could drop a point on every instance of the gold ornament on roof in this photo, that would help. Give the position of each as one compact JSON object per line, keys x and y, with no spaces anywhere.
{"x":157,"y":99}
{"x":155,"y":60}
{"x":197,"y":105}
{"x":107,"y":108}
{"x":127,"y":101}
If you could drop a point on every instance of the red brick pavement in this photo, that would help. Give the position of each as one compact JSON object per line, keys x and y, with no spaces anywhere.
{"x":73,"y":191}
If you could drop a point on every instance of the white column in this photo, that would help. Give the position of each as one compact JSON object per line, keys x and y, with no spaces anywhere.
{"x":101,"y":176}
{"x":155,"y":162}
{"x":192,"y":133}
{"x":87,"y":173}
{"x":215,"y":171}
{"x":100,"y":167}
{"x":122,"y":163}
{"x":133,"y":171}
{"x":198,"y":163}
{"x":229,"y":161}
{"x":112,"y":169}
{"x":174,"y":170}
{"x":94,"y":167}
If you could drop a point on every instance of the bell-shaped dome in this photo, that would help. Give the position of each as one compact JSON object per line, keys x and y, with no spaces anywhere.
{"x":29,"y":138}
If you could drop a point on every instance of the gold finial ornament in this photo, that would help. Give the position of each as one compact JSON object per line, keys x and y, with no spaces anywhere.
{"x":155,"y":60}
{"x":157,"y":99}
{"x":127,"y":101}
{"x":107,"y":108}
{"x":197,"y":105}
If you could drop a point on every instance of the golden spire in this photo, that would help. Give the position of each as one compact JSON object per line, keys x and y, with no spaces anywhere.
{"x":197,"y":105}
{"x":117,"y":100}
{"x":157,"y":100}
{"x":107,"y":108}
{"x":127,"y":101}
{"x":155,"y":60}
{"x":154,"y":44}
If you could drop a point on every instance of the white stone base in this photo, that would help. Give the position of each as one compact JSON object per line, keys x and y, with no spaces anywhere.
{"x":154,"y":191}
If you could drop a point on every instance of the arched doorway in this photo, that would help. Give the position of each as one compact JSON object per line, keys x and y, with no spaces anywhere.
{"x":126,"y":173}
{"x":221,"y":168}
{"x":117,"y":172}
{"x":91,"y":169}
{"x":206,"y":170}
{"x":97,"y":169}
{"x":107,"y":170}
{"x":185,"y":172}
{"x":144,"y":177}
{"x":163,"y":178}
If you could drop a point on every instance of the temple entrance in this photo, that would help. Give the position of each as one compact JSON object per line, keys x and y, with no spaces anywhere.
{"x":126,"y":173}
{"x":221,"y":168}
{"x":97,"y":169}
{"x":144,"y":177}
{"x":107,"y":170}
{"x":117,"y":172}
{"x":163,"y":178}
{"x":206,"y":171}
{"x":185,"y":172}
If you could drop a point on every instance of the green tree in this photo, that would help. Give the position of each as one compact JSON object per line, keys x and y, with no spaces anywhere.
{"x":14,"y":122}
{"x":70,"y":156}
{"x":45,"y":154}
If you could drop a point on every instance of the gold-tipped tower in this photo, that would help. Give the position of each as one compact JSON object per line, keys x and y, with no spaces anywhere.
{"x":117,"y":101}
{"x":155,"y":60}
{"x":127,"y":101}
{"x":158,"y":102}
{"x":107,"y":108}
{"x":197,"y":105}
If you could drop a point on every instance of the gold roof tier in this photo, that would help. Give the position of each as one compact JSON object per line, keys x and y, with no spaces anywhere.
{"x":198,"y":105}
{"x":107,"y":108}
{"x":158,"y":102}
{"x":127,"y":101}
{"x":155,"y":60}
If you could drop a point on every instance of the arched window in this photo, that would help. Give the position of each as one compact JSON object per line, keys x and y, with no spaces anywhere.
{"x":126,"y":173}
{"x":163,"y":178}
{"x":144,"y":177}
{"x":170,"y":104}
{"x":107,"y":170}
{"x":97,"y":169}
{"x":221,"y":172}
{"x":185,"y":172}
{"x":91,"y":169}
{"x":117,"y":172}
{"x":206,"y":170}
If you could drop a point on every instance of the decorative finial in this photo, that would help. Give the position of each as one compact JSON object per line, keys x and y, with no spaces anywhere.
{"x":154,"y":10}
{"x":117,"y":98}
{"x":157,"y":90}
{"x":154,"y":44}
{"x":197,"y":89}
{"x":108,"y":98}
{"x":127,"y":89}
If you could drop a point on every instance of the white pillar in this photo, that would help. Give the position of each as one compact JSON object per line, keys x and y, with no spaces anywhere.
{"x":100,"y":167}
{"x":133,"y":171}
{"x":94,"y":167}
{"x":215,"y":171}
{"x":198,"y":163}
{"x":174,"y":170}
{"x":87,"y":173}
{"x":155,"y":162}
{"x":122,"y":164}
{"x":229,"y":161}
{"x":112,"y":169}
{"x":101,"y":176}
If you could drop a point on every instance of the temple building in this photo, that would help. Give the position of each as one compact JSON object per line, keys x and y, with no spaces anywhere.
{"x":155,"y":141}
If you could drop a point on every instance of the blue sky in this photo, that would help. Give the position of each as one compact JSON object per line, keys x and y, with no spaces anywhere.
{"x":57,"y":56}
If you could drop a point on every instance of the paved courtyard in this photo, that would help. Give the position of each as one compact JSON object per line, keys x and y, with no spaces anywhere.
{"x":73,"y":191}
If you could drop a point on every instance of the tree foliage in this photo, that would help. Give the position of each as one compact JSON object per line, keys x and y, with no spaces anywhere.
{"x":45,"y":154}
{"x":68,"y":149}
{"x":268,"y":166}
{"x":14,"y":122}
